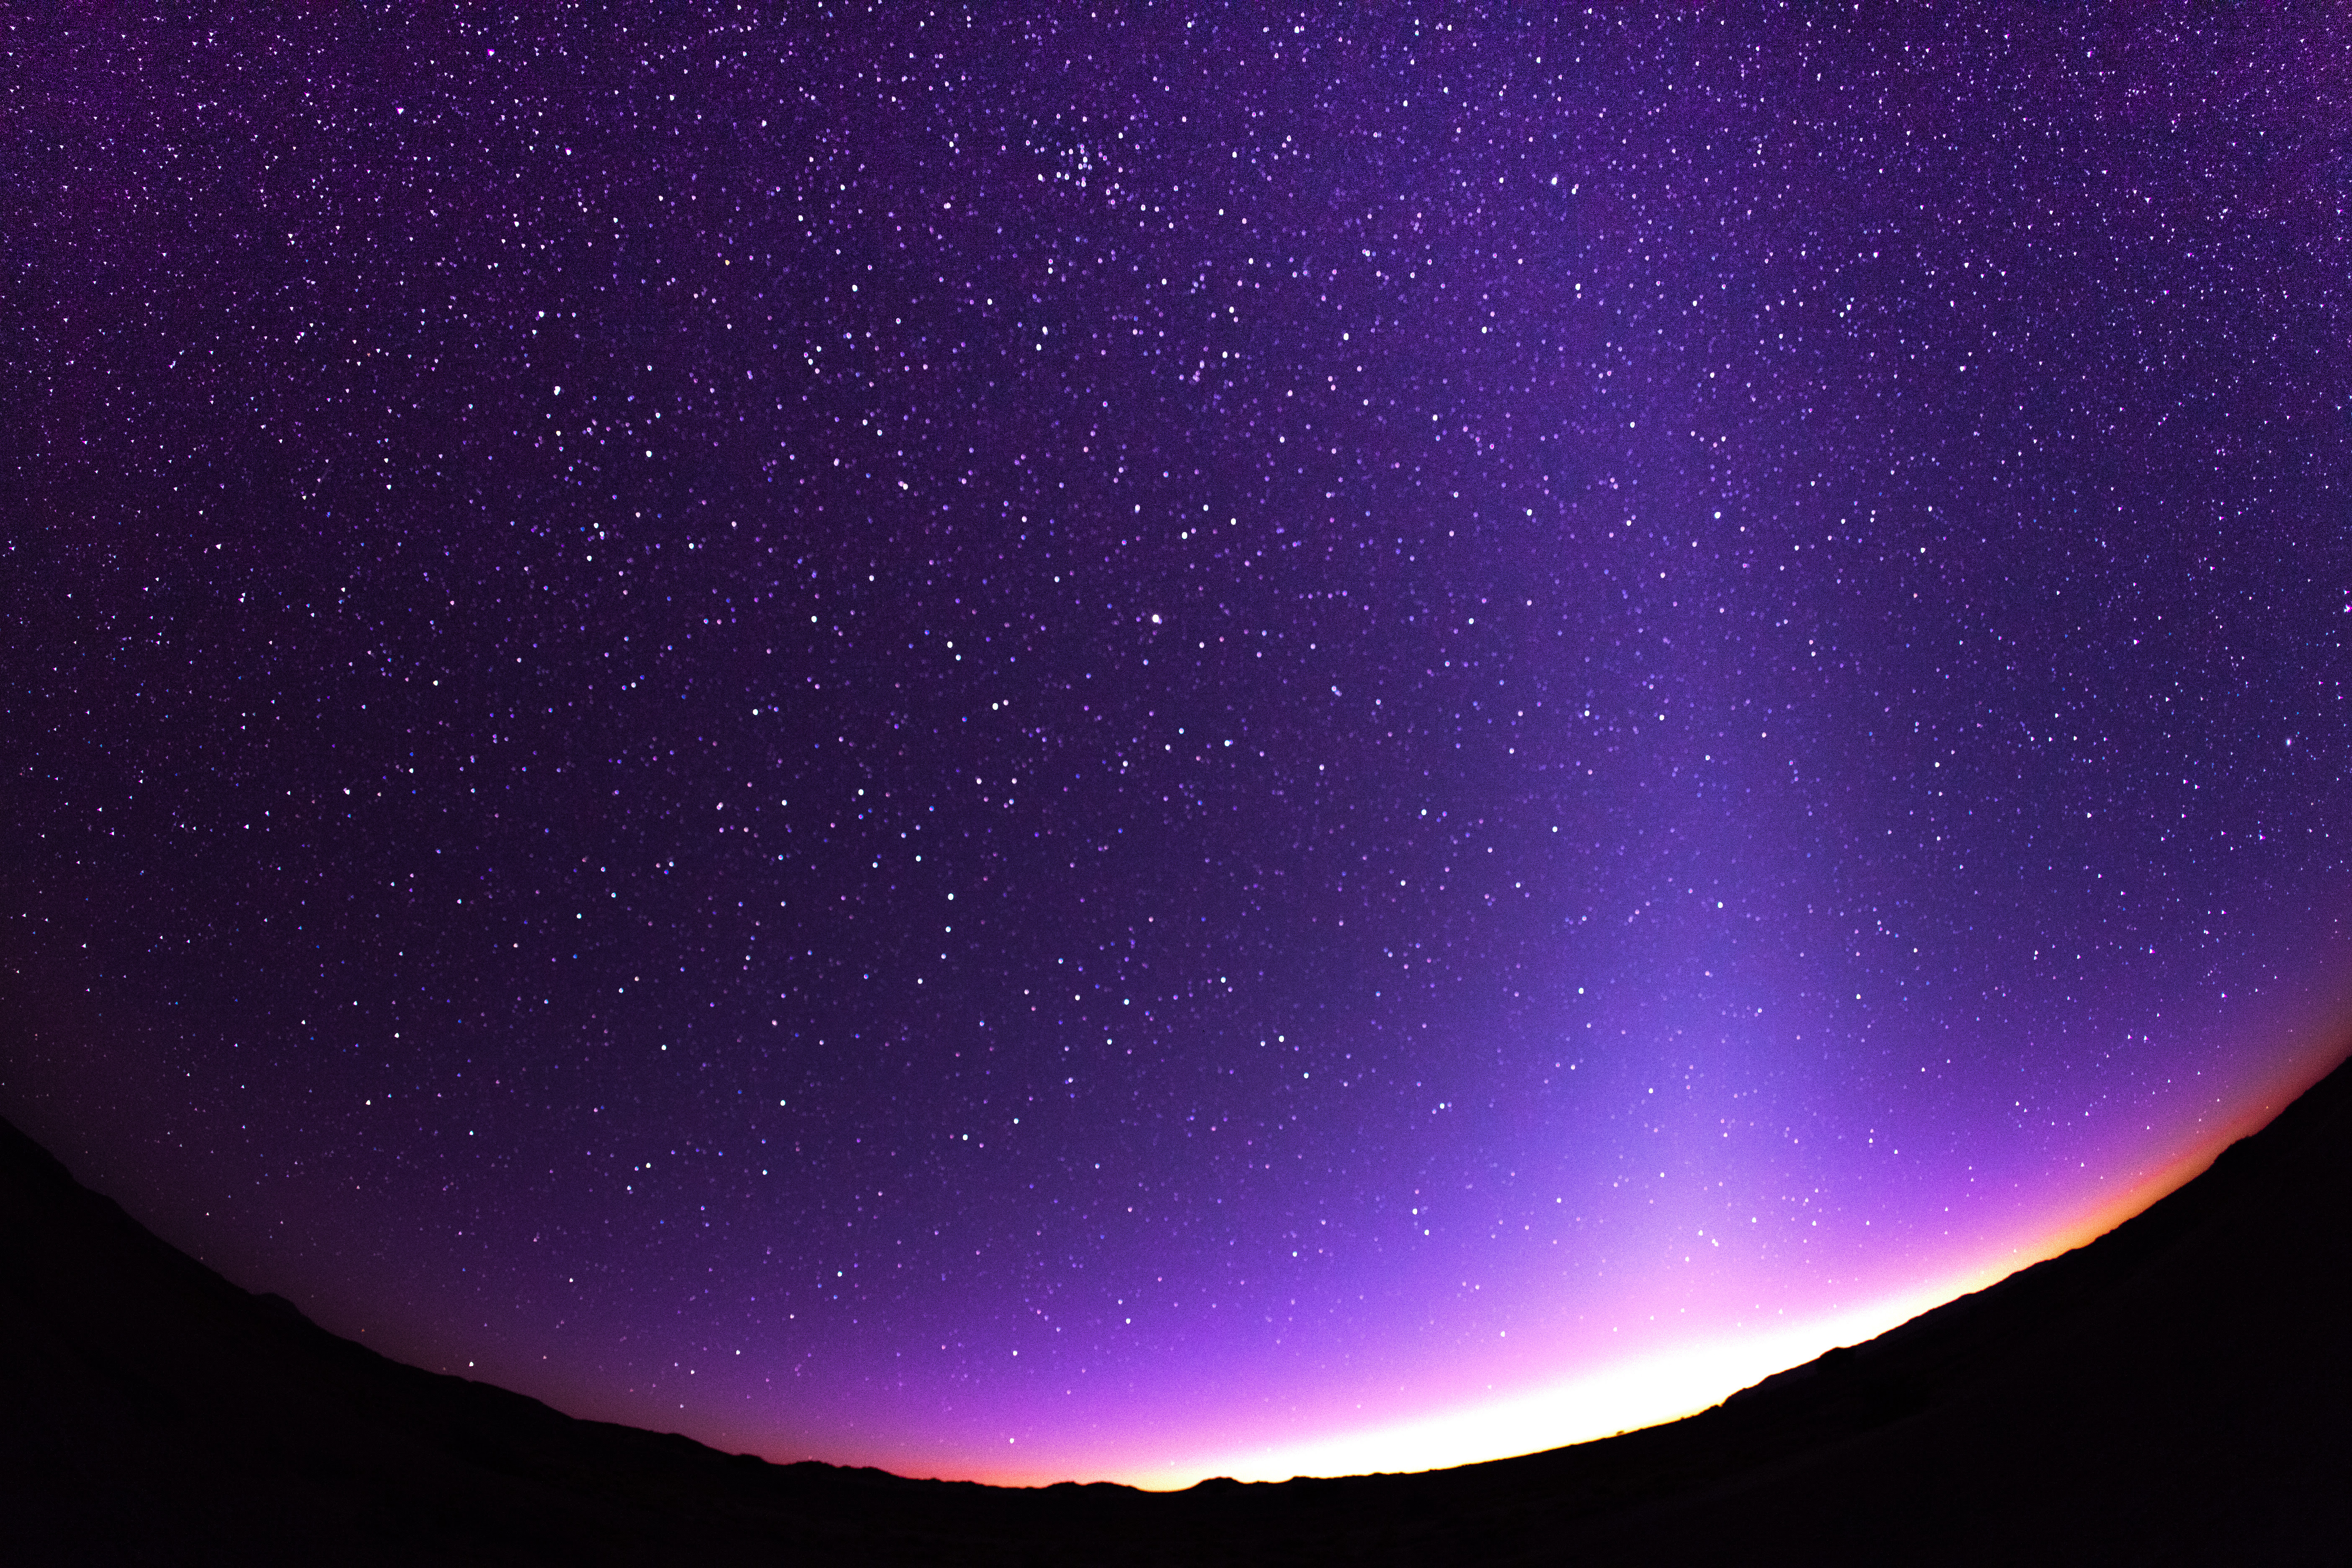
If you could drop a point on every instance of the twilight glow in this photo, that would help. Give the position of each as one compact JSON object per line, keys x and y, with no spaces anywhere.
{"x":1223,"y":741}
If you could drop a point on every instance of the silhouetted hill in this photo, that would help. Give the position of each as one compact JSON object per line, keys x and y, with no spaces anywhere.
{"x":2175,"y":1392}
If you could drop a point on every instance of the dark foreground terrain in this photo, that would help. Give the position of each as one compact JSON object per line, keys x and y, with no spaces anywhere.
{"x":2175,"y":1392}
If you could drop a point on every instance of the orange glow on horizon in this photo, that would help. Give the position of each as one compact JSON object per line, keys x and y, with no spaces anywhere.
{"x":1660,"y":1382}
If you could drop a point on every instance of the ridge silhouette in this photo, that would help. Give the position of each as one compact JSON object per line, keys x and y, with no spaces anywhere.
{"x":2175,"y":1391}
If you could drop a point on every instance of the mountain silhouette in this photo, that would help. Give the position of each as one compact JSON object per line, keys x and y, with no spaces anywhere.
{"x":2175,"y":1391}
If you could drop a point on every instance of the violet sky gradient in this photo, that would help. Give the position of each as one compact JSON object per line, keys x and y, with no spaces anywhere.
{"x":1074,"y":746}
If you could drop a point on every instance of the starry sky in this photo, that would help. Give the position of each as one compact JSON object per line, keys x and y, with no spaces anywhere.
{"x":1110,"y":744}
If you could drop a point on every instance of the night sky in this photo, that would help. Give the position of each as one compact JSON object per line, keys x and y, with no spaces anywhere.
{"x":1135,"y":745}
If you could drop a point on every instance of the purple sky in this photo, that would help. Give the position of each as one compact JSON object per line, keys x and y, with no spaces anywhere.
{"x":1079,"y":747}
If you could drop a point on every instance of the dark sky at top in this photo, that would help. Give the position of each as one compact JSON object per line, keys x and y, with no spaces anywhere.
{"x":891,"y":732}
